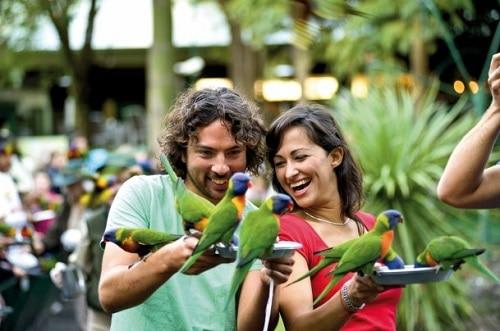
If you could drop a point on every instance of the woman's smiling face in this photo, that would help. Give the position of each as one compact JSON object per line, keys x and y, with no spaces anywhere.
{"x":305,"y":170}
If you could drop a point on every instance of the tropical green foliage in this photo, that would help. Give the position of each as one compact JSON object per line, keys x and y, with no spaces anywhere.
{"x":374,"y":43}
{"x":403,"y":151}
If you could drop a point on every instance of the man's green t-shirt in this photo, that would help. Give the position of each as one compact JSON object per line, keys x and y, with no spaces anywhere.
{"x":183,"y":302}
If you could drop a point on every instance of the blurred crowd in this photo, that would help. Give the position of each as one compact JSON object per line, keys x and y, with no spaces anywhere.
{"x":52,"y":219}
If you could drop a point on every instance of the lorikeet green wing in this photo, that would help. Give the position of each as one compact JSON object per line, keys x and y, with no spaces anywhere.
{"x":330,"y":256}
{"x":139,"y":241}
{"x":364,"y":251}
{"x":193,"y":208}
{"x":7,"y":230}
{"x":224,"y":219}
{"x":258,"y":234}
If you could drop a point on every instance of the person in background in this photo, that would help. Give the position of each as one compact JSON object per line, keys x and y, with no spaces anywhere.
{"x":88,"y":255}
{"x":209,"y":135}
{"x":21,"y":170}
{"x":311,"y":162}
{"x":57,"y":161}
{"x":62,"y":238}
{"x":467,"y":182}
{"x":10,"y":200}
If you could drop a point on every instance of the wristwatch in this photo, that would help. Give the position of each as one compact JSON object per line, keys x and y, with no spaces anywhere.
{"x":349,"y":305}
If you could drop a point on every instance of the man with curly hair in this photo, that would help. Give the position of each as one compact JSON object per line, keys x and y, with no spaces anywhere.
{"x":208,"y":136}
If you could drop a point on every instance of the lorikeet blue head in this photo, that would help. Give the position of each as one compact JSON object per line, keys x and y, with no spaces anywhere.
{"x":392,"y":218}
{"x":240,"y":183}
{"x":110,"y":236}
{"x":281,"y":203}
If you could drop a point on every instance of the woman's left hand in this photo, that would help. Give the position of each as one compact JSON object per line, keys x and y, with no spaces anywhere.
{"x":362,"y":289}
{"x":277,"y":269}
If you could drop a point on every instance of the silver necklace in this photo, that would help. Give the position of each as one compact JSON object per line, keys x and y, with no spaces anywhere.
{"x":322,"y":220}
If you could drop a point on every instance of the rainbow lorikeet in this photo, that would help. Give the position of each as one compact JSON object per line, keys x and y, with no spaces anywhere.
{"x":258,"y":234}
{"x":364,"y":251}
{"x":138,"y":240}
{"x":332,"y":255}
{"x":26,"y":232}
{"x":451,"y":252}
{"x":193,"y":208}
{"x":7,"y":230}
{"x":224,"y":219}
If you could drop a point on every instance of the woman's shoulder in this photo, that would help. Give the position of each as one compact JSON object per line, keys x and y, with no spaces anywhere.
{"x":367,"y":218}
{"x":295,"y":228}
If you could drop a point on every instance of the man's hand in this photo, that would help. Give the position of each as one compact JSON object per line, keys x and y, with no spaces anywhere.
{"x":178,"y":251}
{"x":207,"y":261}
{"x":277,"y":269}
{"x":494,"y":80}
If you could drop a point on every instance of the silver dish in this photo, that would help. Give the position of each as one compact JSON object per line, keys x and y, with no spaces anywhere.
{"x":280,"y":249}
{"x":410,"y":275}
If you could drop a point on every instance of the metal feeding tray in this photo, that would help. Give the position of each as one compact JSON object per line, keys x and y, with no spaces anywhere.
{"x":410,"y":275}
{"x":280,"y":249}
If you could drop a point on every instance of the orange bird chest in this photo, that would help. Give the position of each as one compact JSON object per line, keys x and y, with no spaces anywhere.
{"x":239,"y":203}
{"x":387,"y":238}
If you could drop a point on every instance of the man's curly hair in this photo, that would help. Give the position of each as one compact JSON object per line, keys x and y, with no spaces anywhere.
{"x":197,"y":109}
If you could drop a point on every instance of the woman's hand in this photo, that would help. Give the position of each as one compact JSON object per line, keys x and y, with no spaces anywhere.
{"x":362,"y":289}
{"x":277,"y":269}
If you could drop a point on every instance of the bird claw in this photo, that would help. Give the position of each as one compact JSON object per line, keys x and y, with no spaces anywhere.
{"x":457,"y":265}
{"x":235,"y":240}
{"x":145,"y":257}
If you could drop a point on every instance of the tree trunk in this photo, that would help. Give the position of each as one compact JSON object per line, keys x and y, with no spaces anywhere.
{"x":244,"y":65}
{"x":160,"y":75}
{"x":302,"y":65}
{"x":301,"y":55}
{"x":80,"y":91}
{"x":419,"y":62}
{"x":78,"y":65}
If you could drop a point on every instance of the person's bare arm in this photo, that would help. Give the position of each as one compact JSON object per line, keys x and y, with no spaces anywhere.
{"x":296,"y":301}
{"x":465,"y":182}
{"x":125,"y":282}
{"x":255,"y":293}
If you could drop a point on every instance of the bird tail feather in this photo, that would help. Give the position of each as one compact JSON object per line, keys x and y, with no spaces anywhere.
{"x":189,"y":262}
{"x":474,"y":262}
{"x":168,"y":168}
{"x":238,"y":277}
{"x":327,"y":289}
{"x":322,"y":264}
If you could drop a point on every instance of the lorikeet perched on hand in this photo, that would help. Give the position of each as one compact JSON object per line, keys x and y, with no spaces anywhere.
{"x":451,"y":252}
{"x":193,"y":208}
{"x":258,"y":234}
{"x":224,"y":219}
{"x":361,"y":254}
{"x":137,"y":240}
